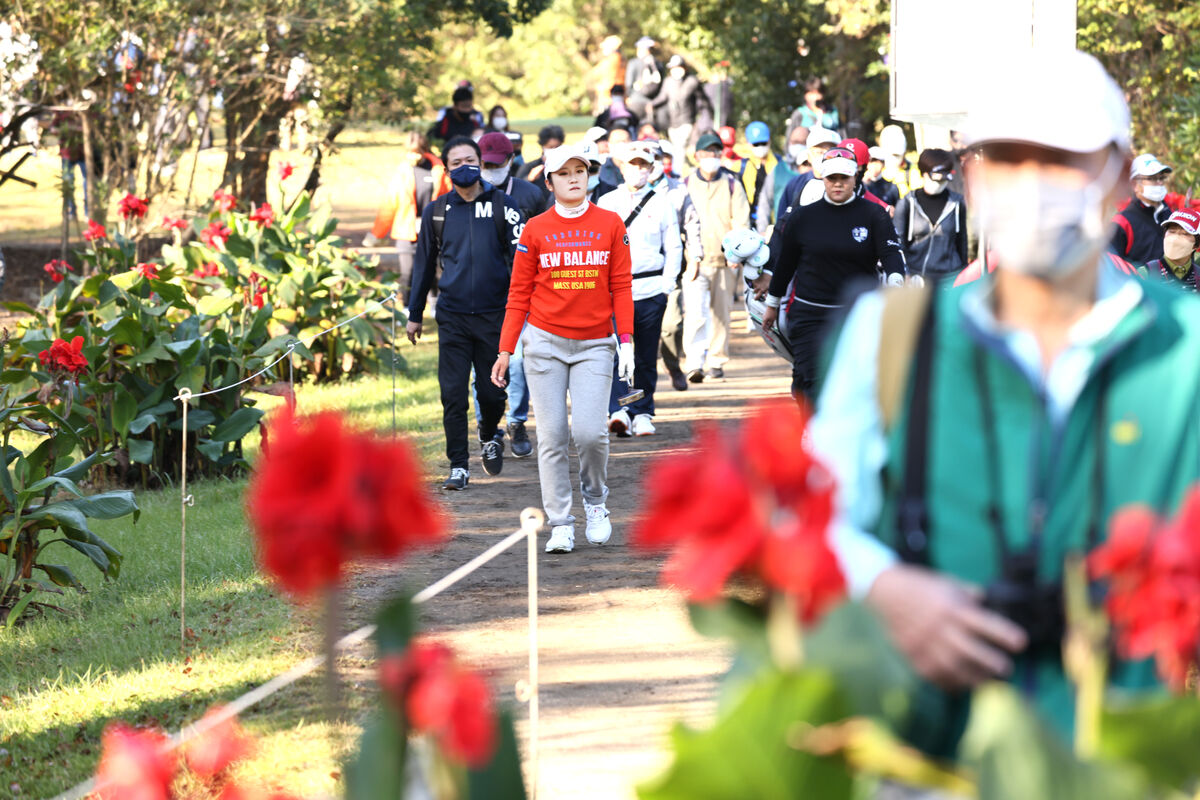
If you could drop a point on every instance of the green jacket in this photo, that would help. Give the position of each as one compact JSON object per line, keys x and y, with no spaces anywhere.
{"x":1151,"y":455}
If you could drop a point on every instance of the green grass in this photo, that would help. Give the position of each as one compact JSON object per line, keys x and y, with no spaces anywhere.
{"x":116,"y":653}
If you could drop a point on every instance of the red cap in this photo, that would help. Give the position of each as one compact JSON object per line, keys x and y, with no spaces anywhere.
{"x":495,"y":148}
{"x":1187,"y":219}
{"x":728,"y":136}
{"x":862,"y":153}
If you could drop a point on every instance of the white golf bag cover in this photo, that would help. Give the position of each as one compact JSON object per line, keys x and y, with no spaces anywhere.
{"x":748,"y":248}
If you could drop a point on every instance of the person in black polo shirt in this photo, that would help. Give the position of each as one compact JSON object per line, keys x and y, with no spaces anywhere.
{"x":825,"y":246}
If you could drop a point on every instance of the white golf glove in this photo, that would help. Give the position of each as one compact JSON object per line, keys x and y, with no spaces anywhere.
{"x":370,"y":240}
{"x":625,"y":362}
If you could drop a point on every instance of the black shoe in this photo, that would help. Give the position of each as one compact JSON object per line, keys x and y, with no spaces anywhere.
{"x":678,"y":381}
{"x":716,"y":373}
{"x":696,"y":376}
{"x":498,"y":437}
{"x":521,"y":446}
{"x":458,"y":480}
{"x":493,"y":456}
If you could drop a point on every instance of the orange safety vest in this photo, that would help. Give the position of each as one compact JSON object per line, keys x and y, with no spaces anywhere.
{"x":398,"y":217}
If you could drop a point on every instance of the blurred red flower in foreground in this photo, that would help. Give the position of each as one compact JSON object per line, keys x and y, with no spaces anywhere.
{"x":133,"y":206}
{"x":215,"y":235}
{"x":56,"y":269}
{"x":174,"y":223}
{"x":215,"y":750}
{"x":264,"y":215}
{"x":1153,"y":571}
{"x":134,"y":765}
{"x":94,"y":231}
{"x":64,"y":356}
{"x":224,"y":201}
{"x":441,"y":698}
{"x":285,"y":170}
{"x":147,"y":270}
{"x":210,"y":269}
{"x":323,"y":494}
{"x":756,"y":503}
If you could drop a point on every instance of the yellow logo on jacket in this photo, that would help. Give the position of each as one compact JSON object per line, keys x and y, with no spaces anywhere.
{"x":1125,"y":431}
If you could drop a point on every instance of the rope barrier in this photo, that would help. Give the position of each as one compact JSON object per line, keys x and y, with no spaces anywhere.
{"x":531,"y":521}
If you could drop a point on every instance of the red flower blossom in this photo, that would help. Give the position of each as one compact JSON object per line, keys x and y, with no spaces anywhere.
{"x":1153,"y":572}
{"x":133,"y":206}
{"x":146,"y":270}
{"x":210,"y":269}
{"x":264,"y":215}
{"x":56,"y":269}
{"x":94,"y":231}
{"x":285,"y":170}
{"x":174,"y":223}
{"x":134,"y":765}
{"x":224,"y":201}
{"x":316,"y":500}
{"x":758,"y":505}
{"x":441,"y":698}
{"x":217,"y":748}
{"x":215,"y":235}
{"x":64,"y":356}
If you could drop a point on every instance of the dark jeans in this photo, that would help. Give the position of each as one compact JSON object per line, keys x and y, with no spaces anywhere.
{"x":647,"y":327}
{"x":807,"y":329}
{"x":466,"y":340}
{"x":671,"y":345}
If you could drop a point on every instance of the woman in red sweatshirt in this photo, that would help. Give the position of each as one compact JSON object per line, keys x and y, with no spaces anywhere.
{"x":571,"y":279}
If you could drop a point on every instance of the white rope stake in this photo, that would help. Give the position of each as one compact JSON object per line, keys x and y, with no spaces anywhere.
{"x":531,"y":521}
{"x":185,"y":500}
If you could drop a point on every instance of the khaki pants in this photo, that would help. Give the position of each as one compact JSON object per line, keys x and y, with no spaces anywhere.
{"x":707,"y":304}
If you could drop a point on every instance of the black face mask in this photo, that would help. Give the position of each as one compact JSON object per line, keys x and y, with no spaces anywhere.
{"x":465,"y":175}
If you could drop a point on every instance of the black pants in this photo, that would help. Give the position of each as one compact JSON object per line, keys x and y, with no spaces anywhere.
{"x":807,"y":329}
{"x":466,"y":340}
{"x":647,"y":327}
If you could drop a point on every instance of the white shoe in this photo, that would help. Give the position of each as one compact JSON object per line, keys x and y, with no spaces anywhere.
{"x":599,"y":527}
{"x":562,"y":539}
{"x":643,"y":425}
{"x":619,"y":423}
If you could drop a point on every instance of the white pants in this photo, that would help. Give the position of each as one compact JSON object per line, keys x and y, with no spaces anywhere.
{"x":707,"y":304}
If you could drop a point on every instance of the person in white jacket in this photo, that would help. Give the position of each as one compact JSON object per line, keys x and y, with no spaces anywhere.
{"x":656,"y":250}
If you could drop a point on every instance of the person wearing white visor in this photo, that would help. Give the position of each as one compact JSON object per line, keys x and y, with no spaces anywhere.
{"x":974,"y":433}
{"x":1138,"y":236}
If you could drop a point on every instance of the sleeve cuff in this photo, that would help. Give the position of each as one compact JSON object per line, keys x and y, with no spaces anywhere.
{"x":862,"y":558}
{"x":772,"y":301}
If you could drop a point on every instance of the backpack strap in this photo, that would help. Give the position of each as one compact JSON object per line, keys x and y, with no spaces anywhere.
{"x":904,"y":308}
{"x":438,"y":219}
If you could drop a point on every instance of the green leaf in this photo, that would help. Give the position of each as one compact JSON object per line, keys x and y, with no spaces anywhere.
{"x":60,"y":574}
{"x":107,"y":505}
{"x":19,"y":608}
{"x":237,"y":424}
{"x":747,"y":755}
{"x":376,"y":771}
{"x":197,"y":419}
{"x":210,"y":449}
{"x":22,"y":308}
{"x":141,"y":451}
{"x":1161,"y":735}
{"x":156,"y":352}
{"x":213,"y":306}
{"x":141,"y":422}
{"x":79,"y":470}
{"x":500,"y":778}
{"x":94,"y":553}
{"x":125,"y":330}
{"x":395,"y":625}
{"x":53,"y":480}
{"x":125,"y":280}
{"x":1017,"y":758}
{"x":124,"y":409}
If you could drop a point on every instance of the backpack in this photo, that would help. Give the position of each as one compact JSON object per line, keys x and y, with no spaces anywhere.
{"x":498,"y":216}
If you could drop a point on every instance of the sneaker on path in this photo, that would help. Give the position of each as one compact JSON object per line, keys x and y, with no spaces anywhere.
{"x":521,"y":446}
{"x":696,"y":376}
{"x":493,"y":456}
{"x":679,"y":381}
{"x":716,"y":373}
{"x":599,"y":526}
{"x":562,"y":539}
{"x":458,"y":480}
{"x":643,"y":425}
{"x":619,"y":423}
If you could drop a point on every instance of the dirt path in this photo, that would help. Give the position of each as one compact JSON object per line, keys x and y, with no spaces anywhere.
{"x":619,"y":661}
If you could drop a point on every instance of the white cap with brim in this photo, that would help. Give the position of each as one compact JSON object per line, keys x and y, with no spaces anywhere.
{"x":558,"y":157}
{"x":877,"y":154}
{"x":1063,"y":100}
{"x":1147,"y":165}
{"x":839,"y":166}
{"x":630,"y":150}
{"x":820,"y":136}
{"x":595,"y":134}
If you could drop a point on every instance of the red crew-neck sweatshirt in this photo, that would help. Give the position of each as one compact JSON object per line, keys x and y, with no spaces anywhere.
{"x":571,"y":277}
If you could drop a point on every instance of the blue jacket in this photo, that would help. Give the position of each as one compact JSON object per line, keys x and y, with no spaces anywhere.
{"x":476,"y":254}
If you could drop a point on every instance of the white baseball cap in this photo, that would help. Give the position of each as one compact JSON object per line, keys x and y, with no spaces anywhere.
{"x":630,"y":150}
{"x":1063,"y":100}
{"x":877,"y":154}
{"x":555,"y":159}
{"x":1147,"y":165}
{"x":820,"y":136}
{"x":595,"y":134}
{"x":839,"y":161}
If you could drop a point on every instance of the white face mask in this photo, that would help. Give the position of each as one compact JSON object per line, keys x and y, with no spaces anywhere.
{"x":640,"y":177}
{"x":1155,"y":193}
{"x":760,"y":151}
{"x":497,"y":176}
{"x":932,"y":186}
{"x":709,"y":165}
{"x":798,"y":152}
{"x":1178,"y":248}
{"x":656,"y":171}
{"x":593,"y":182}
{"x":499,"y":122}
{"x":1041,"y":228}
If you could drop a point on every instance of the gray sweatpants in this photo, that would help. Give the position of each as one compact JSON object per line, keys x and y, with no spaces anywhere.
{"x":555,"y":367}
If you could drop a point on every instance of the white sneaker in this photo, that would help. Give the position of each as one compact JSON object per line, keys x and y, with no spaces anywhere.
{"x":599,"y":527}
{"x":619,"y":423}
{"x":643,"y":425}
{"x":562,"y":539}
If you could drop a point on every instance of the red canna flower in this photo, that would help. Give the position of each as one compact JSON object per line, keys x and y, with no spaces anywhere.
{"x":174,"y":223}
{"x":64,"y":356}
{"x":94,"y":231}
{"x":56,"y":269}
{"x":759,"y":504}
{"x":441,"y":698}
{"x":210,"y":269}
{"x":315,"y":502}
{"x":1153,"y":571}
{"x":264,"y":215}
{"x":218,"y":748}
{"x":224,"y":201}
{"x":134,"y":764}
{"x":133,"y":206}
{"x":146,"y":270}
{"x":215,"y":235}
{"x":285,"y":170}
